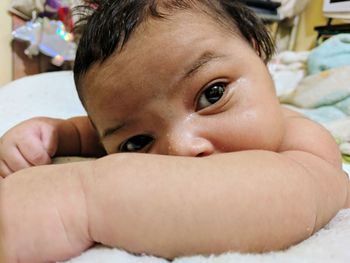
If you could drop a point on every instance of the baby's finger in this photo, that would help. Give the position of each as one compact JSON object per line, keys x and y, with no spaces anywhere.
{"x":4,"y":169}
{"x":15,"y":161}
{"x":34,"y":152}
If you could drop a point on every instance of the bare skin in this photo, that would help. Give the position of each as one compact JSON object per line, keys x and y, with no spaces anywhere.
{"x":263,"y":182}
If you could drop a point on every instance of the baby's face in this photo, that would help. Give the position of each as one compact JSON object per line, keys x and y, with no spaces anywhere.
{"x":184,"y":86}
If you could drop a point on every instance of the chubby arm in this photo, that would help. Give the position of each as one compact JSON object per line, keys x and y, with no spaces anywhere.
{"x":249,"y":201}
{"x":307,"y":136}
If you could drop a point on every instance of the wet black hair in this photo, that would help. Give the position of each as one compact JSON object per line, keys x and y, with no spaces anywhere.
{"x":106,"y":26}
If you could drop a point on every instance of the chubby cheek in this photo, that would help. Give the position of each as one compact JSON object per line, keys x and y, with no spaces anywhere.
{"x":237,"y":133}
{"x":265,"y":128}
{"x":268,"y":130}
{"x":251,"y":129}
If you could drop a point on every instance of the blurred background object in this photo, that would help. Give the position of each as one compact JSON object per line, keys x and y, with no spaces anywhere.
{"x":337,"y":9}
{"x":43,"y":40}
{"x":334,"y":9}
{"x":5,"y":40}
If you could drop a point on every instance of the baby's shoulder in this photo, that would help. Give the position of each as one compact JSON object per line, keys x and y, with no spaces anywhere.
{"x":303,"y":134}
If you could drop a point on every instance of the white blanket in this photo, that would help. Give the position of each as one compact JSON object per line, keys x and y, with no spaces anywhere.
{"x":331,"y":245}
{"x":53,"y":95}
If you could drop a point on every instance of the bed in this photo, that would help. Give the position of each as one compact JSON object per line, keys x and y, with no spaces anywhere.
{"x":54,"y":95}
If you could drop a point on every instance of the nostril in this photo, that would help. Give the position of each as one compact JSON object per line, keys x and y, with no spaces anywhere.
{"x":202,"y":154}
{"x":203,"y":148}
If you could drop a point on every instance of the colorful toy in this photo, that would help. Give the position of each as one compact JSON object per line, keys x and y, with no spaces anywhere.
{"x":48,"y":37}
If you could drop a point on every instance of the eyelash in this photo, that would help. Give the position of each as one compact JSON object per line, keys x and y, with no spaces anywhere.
{"x":144,"y":137}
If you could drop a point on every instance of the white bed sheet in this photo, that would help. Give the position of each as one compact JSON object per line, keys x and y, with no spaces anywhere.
{"x":48,"y":94}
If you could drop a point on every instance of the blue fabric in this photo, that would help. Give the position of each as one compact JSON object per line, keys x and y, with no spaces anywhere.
{"x":324,"y":115}
{"x":333,"y":53}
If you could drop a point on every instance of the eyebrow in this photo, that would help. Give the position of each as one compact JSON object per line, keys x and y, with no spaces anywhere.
{"x":199,"y":63}
{"x":110,"y":131}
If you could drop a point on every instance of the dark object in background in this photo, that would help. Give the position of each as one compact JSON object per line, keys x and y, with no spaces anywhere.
{"x":265,"y":9}
{"x":330,"y":30}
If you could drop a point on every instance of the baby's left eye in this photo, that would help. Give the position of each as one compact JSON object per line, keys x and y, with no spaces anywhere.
{"x":211,"y":95}
{"x":136,"y":143}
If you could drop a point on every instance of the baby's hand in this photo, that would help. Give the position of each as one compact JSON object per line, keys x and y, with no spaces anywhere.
{"x":30,"y":143}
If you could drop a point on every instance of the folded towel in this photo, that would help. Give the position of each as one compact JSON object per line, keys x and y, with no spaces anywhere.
{"x":333,"y":53}
{"x":323,"y":89}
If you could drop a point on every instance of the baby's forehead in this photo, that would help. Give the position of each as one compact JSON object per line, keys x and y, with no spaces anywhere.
{"x":166,"y":47}
{"x":154,"y":62}
{"x":158,"y":45}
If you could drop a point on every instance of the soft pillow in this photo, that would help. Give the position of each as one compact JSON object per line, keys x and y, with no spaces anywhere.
{"x":48,"y":94}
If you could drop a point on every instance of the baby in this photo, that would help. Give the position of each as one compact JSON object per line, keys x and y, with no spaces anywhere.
{"x":201,"y":156}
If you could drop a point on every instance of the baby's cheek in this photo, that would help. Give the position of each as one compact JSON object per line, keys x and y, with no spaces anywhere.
{"x":265,"y":130}
{"x":272,"y":126}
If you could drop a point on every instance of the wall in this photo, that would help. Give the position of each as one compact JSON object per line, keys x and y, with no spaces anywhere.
{"x":313,"y":16}
{"x":5,"y":46}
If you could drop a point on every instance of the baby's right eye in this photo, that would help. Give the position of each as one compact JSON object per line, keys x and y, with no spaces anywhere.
{"x":136,"y":143}
{"x":211,"y":95}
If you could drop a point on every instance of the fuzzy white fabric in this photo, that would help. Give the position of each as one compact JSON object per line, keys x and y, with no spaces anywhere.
{"x":53,"y":94}
{"x":329,"y":245}
{"x":48,"y":94}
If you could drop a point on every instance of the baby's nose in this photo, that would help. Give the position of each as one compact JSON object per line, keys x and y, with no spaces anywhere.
{"x":188,"y":144}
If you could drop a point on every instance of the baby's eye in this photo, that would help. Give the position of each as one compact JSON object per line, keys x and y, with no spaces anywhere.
{"x":135,"y":144}
{"x":211,"y":95}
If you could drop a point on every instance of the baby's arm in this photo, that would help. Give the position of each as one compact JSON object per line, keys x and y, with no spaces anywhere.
{"x":308,"y":136}
{"x":247,"y":201}
{"x":35,"y":141}
{"x":42,"y":215}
